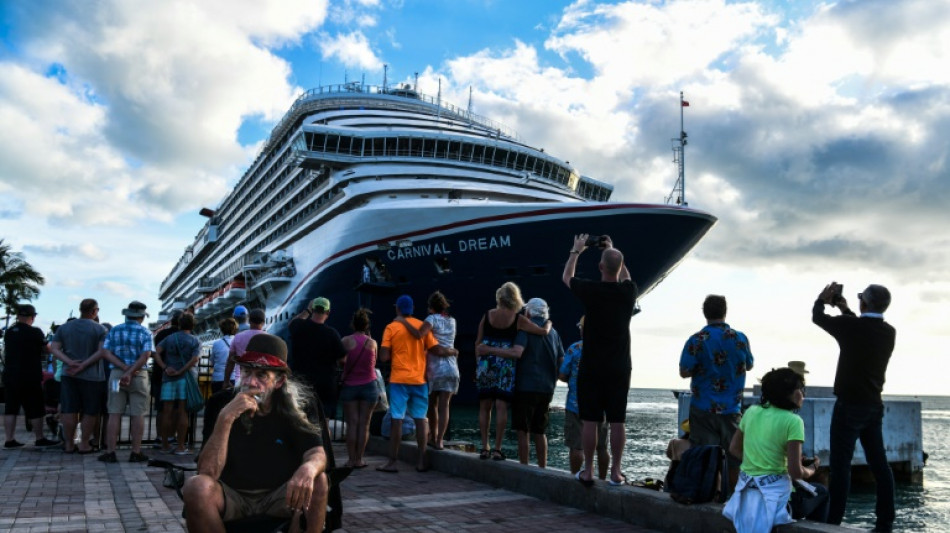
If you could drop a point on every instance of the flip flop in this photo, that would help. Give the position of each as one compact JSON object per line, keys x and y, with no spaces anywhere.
{"x":496,"y":455}
{"x":586,"y":482}
{"x":389,"y":470}
{"x":485,"y":453}
{"x":612,"y":483}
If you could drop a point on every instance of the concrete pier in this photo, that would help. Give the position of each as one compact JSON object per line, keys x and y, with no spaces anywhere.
{"x":47,"y":491}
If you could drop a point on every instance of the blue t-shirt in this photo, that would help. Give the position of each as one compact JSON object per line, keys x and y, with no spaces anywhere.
{"x":718,"y":358}
{"x":572,"y":359}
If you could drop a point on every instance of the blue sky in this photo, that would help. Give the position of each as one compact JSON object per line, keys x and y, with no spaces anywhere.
{"x":817,"y":136}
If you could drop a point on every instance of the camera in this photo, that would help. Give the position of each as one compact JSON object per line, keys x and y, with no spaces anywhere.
{"x":596,"y":240}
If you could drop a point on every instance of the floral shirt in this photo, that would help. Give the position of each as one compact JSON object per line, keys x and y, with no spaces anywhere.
{"x":718,"y":357}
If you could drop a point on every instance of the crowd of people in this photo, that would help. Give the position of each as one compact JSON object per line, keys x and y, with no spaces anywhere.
{"x":269,"y":394}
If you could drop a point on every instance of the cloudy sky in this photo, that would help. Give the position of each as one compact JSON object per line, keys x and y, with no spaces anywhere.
{"x":818,"y":135}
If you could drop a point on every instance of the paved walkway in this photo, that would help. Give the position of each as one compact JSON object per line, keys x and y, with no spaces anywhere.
{"x":47,"y":490}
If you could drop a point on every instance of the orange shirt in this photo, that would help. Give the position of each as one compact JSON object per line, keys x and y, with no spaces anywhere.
{"x":408,"y":352}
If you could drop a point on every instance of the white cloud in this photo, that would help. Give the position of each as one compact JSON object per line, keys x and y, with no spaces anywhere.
{"x":145,"y":121}
{"x":352,"y":49}
{"x":65,"y":252}
{"x":116,"y":288}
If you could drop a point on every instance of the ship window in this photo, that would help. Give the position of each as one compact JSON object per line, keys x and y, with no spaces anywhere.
{"x":345,"y":143}
{"x":391,"y":145}
{"x":379,"y":146}
{"x":333,"y":143}
{"x":442,"y":149}
{"x":455,"y":149}
{"x":467,"y":150}
{"x":478,"y":153}
{"x":428,"y":149}
{"x":500,"y":157}
{"x":415,"y":147}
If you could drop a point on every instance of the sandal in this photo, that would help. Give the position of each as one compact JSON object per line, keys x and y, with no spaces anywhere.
{"x":496,"y":455}
{"x":484,"y":453}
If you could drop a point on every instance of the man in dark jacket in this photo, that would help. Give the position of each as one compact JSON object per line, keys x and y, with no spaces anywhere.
{"x":866,"y":343}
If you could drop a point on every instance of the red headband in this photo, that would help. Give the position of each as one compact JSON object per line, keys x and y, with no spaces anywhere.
{"x":261,"y":360}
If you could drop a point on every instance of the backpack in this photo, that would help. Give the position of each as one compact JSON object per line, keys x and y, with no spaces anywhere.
{"x":697,"y":477}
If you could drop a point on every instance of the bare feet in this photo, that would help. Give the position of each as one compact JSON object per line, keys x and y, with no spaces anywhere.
{"x":389,"y":467}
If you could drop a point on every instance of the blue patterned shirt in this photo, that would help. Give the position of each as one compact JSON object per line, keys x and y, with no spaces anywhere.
{"x":572,"y":359}
{"x":717,"y":357}
{"x":127,"y":341}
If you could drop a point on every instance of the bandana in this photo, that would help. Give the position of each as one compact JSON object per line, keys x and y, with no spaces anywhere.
{"x":261,"y":360}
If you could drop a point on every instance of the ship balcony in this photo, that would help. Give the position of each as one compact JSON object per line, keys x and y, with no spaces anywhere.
{"x":179,"y":304}
{"x":233,"y":294}
{"x":207,"y":284}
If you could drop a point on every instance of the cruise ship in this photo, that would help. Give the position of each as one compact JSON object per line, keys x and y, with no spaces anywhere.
{"x":363,"y":193}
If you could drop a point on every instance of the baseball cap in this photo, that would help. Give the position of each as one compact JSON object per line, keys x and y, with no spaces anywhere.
{"x":25,"y":310}
{"x":404,"y":304}
{"x":320,"y":304}
{"x":240,"y":311}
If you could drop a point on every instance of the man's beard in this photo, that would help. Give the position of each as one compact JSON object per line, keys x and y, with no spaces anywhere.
{"x":246,"y":417}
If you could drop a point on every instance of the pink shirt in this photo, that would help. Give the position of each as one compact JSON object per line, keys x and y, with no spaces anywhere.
{"x":360,"y":366}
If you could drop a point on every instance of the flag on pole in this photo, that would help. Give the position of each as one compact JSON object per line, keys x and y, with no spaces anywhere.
{"x":685,"y":103}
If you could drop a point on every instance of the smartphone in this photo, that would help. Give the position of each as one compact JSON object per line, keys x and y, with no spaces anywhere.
{"x":837,"y":289}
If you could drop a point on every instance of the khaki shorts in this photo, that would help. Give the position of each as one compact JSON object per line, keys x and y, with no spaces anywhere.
{"x":135,"y":394}
{"x":572,"y":432}
{"x":243,"y":503}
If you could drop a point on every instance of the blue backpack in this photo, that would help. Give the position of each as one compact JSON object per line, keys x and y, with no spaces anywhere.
{"x":697,"y":476}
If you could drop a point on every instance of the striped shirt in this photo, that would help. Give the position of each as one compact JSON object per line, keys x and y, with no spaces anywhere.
{"x":127,"y":341}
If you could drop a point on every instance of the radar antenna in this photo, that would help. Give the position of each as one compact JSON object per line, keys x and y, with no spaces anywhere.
{"x":678,"y":194}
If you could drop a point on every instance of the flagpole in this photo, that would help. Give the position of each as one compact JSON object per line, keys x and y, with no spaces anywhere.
{"x":682,"y":169}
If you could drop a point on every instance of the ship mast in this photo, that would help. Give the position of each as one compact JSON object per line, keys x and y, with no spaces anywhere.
{"x":678,"y":194}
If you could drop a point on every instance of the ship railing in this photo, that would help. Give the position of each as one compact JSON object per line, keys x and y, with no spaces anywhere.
{"x":450,"y":110}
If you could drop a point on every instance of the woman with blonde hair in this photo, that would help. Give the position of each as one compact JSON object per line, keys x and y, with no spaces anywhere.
{"x":496,"y":355}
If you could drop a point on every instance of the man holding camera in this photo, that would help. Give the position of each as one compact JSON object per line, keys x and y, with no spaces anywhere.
{"x":866,"y":343}
{"x":603,"y":379}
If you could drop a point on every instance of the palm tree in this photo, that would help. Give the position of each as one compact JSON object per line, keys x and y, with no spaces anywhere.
{"x":18,"y":280}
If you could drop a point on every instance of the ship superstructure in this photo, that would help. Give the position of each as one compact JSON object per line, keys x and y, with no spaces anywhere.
{"x":363,"y":193}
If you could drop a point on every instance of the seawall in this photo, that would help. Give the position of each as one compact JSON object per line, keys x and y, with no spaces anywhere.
{"x":634,"y":505}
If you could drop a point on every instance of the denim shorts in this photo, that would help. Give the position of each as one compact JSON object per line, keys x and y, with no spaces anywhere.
{"x":367,"y":392}
{"x":412,"y":400}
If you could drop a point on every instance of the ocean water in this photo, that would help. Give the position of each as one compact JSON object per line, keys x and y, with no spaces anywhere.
{"x":651,"y":423}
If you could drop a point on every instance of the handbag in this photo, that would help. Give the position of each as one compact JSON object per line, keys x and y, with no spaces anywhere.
{"x":194,"y":400}
{"x":383,"y":404}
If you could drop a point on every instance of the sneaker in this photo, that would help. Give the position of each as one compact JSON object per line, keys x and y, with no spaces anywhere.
{"x":108,"y":457}
{"x":12,"y":444}
{"x":46,"y":443}
{"x":137,"y":457}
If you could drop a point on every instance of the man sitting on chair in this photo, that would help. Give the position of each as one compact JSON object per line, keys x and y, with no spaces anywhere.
{"x":263,"y":455}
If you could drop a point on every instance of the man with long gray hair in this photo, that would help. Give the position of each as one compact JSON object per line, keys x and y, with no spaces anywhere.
{"x":262,"y":455}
